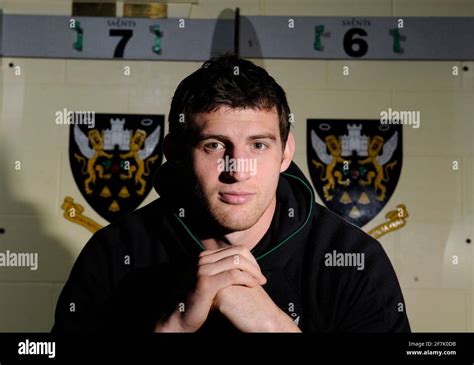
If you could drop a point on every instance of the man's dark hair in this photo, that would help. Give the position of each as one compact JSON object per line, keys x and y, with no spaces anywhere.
{"x":227,"y":80}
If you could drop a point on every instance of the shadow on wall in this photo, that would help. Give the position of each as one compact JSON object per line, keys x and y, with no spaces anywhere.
{"x":28,"y":294}
{"x":223,"y":36}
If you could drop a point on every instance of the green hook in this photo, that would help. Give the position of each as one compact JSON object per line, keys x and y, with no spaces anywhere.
{"x":395,"y":33}
{"x":157,"y":43}
{"x":318,"y":32}
{"x":80,"y":36}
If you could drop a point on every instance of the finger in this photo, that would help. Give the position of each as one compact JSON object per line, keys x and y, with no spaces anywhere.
{"x":230,"y":263}
{"x":209,"y":286}
{"x":210,"y":252}
{"x":233,"y":277}
{"x":207,"y":257}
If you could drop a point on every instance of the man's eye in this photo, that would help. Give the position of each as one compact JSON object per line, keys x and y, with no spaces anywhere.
{"x":260,"y":145}
{"x":213,"y":146}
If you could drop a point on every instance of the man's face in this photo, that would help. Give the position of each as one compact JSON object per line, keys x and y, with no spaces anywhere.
{"x":236,"y":159}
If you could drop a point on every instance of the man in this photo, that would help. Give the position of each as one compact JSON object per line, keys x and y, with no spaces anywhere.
{"x":235,"y":242}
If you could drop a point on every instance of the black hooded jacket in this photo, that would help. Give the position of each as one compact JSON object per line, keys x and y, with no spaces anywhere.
{"x":134,"y":272}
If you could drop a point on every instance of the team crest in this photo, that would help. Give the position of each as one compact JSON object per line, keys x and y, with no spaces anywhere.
{"x":113,"y":163}
{"x":354,"y":165}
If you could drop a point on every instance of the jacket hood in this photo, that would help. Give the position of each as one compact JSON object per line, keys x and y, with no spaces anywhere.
{"x":295,"y":204}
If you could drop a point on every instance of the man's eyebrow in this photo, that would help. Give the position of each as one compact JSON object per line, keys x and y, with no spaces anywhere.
{"x":263,"y":136}
{"x":221,"y":137}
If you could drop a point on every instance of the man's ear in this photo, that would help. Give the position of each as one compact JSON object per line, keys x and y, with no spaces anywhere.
{"x":173,"y":149}
{"x":288,"y":152}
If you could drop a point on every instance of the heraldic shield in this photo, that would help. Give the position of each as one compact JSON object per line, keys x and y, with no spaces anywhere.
{"x":354,"y":165}
{"x":114,"y":159}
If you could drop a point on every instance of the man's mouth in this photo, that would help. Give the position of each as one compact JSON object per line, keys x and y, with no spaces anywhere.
{"x":235,"y":197}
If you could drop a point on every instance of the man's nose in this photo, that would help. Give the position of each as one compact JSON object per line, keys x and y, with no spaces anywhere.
{"x":239,"y":164}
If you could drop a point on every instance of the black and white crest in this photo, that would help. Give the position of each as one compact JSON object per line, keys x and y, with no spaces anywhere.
{"x":113,"y":162}
{"x":354,"y":165}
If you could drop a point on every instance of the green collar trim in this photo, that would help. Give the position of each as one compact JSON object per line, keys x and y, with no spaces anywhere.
{"x":281,"y":243}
